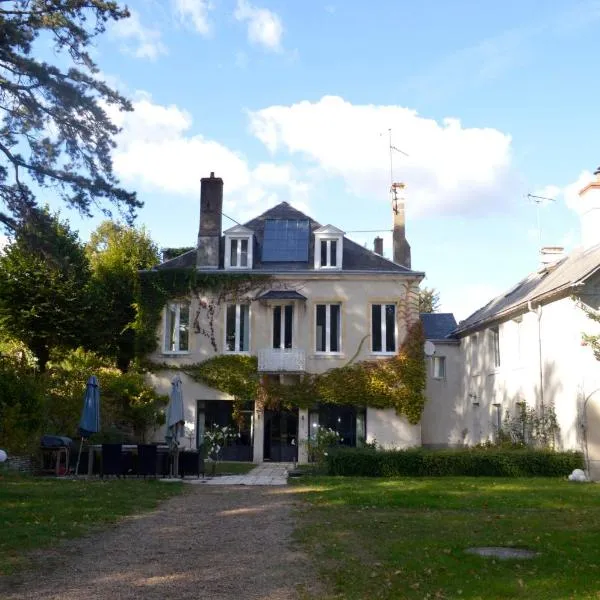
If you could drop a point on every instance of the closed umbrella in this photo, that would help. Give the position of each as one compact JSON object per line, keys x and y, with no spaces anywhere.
{"x":175,"y":419}
{"x":90,"y":415}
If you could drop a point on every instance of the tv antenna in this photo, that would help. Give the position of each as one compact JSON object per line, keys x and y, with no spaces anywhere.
{"x":538,"y":200}
{"x":392,"y":150}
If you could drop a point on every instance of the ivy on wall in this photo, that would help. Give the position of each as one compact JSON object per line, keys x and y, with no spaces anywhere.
{"x":397,"y":382}
{"x":156,"y":288}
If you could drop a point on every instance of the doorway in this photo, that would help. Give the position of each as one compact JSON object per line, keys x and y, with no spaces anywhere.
{"x":281,"y":435}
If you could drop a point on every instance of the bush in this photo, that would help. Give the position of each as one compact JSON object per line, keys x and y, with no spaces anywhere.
{"x":477,"y":462}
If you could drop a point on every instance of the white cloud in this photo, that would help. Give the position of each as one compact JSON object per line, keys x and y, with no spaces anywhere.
{"x":264,"y":26}
{"x":195,"y":11}
{"x":143,"y":42}
{"x":464,"y":300}
{"x":157,"y":153}
{"x":450,"y":169}
{"x":571,"y":191}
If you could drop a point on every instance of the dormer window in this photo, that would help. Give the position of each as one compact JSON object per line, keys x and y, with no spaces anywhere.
{"x":328,"y":247}
{"x":238,"y":248}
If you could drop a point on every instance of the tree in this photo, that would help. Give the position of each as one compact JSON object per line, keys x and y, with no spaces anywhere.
{"x":429,"y":300}
{"x":44,"y":293}
{"x":116,"y":253}
{"x":55,"y":131}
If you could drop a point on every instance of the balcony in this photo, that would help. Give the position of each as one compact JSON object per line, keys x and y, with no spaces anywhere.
{"x":276,"y":360}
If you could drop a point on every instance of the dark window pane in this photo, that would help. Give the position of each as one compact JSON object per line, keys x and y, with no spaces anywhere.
{"x":233,"y":257}
{"x":333,"y":261}
{"x":277,"y":327}
{"x":184,"y":323}
{"x":243,"y":253}
{"x":334,"y":327}
{"x":321,"y":334}
{"x":390,"y":328}
{"x":244,"y":328}
{"x":323,"y":253}
{"x":289,"y":313}
{"x":376,"y":327}
{"x":230,"y":328}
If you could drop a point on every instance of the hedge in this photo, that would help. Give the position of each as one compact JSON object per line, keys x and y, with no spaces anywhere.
{"x":417,"y":462}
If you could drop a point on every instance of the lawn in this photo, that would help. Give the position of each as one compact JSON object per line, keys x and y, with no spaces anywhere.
{"x":230,"y":468}
{"x":406,"y":538}
{"x":35,"y":512}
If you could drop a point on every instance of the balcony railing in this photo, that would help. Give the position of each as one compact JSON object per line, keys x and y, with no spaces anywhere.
{"x":285,"y":360}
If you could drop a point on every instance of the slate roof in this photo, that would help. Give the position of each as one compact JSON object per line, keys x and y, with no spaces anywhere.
{"x":438,"y":326}
{"x":282,"y":295}
{"x":355,"y":257}
{"x":559,"y":278}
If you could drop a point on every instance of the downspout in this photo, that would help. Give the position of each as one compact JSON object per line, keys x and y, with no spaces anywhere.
{"x":538,"y":312}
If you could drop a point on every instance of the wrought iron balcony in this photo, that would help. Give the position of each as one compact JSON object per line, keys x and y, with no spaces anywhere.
{"x":284,"y":360}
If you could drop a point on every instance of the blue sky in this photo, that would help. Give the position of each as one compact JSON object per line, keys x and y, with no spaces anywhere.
{"x":287,"y":100}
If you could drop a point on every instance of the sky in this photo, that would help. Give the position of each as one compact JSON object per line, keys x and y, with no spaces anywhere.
{"x":294,"y":100}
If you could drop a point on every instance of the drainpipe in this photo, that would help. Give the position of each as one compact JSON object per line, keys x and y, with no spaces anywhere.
{"x":538,"y":312}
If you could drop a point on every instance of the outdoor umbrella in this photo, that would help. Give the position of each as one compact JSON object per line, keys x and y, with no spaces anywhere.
{"x":90,"y":415}
{"x":175,"y":419}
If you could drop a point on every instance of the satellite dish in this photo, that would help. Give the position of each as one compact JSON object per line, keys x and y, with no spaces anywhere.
{"x":3,"y":456}
{"x":429,"y":348}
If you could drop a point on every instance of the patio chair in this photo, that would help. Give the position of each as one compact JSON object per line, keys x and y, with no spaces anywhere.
{"x":112,"y":460}
{"x":147,"y":460}
{"x":191,"y":463}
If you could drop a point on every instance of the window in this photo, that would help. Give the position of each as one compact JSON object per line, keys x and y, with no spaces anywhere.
{"x":383,"y":328}
{"x":439,"y":367}
{"x":237,"y":328}
{"x":329,"y":253}
{"x":328,"y":247}
{"x":283,"y":319}
{"x":177,"y":327}
{"x":238,"y":255}
{"x":328,"y":327}
{"x":238,"y":248}
{"x":495,"y":345}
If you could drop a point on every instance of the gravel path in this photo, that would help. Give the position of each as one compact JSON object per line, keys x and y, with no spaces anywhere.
{"x":220,"y":543}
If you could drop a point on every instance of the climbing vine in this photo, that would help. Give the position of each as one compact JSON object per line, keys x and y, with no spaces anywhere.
{"x":397,"y":382}
{"x":156,"y":288}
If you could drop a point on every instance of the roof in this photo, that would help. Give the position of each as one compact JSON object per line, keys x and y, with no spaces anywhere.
{"x":282,"y":295}
{"x":538,"y":287}
{"x":355,"y":257}
{"x":438,"y":326}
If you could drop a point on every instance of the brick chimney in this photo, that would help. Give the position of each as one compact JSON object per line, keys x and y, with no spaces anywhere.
{"x":401,"y":246}
{"x":209,"y":235}
{"x":590,"y":212}
{"x":378,"y":246}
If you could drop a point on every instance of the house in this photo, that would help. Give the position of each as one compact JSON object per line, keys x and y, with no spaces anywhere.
{"x":524,"y":349}
{"x":324,"y":301}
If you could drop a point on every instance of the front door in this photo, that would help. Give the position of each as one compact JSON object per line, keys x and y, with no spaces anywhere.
{"x":281,"y":435}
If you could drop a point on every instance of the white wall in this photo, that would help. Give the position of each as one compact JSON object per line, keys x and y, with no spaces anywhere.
{"x":391,"y":431}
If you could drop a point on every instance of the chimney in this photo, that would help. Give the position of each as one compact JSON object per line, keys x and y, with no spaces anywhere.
{"x":209,"y":235}
{"x":401,"y":246}
{"x":378,"y":245}
{"x":590,"y":212}
{"x":551,"y":254}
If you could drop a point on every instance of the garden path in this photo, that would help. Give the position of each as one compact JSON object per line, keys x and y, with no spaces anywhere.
{"x":214,"y":542}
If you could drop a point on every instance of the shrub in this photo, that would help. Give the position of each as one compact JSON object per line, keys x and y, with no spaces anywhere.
{"x":417,"y":462}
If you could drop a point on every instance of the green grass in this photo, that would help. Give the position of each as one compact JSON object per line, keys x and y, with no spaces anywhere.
{"x":406,"y":538}
{"x":36,"y":512}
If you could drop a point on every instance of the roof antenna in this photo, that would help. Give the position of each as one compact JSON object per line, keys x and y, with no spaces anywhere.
{"x":395,"y":187}
{"x":538,"y":200}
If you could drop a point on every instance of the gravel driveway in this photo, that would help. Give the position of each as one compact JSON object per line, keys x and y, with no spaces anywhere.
{"x":220,"y":543}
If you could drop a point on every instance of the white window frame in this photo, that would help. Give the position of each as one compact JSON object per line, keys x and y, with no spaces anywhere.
{"x":328,"y":350}
{"x":166,"y":343}
{"x":384,"y":328}
{"x":238,"y":238}
{"x":435,"y":369}
{"x":329,"y":234}
{"x":282,"y":326}
{"x":238,"y":311}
